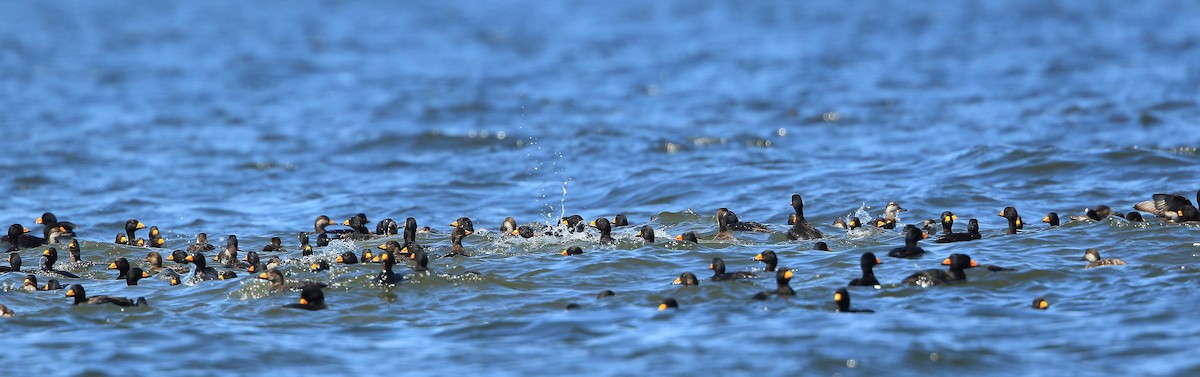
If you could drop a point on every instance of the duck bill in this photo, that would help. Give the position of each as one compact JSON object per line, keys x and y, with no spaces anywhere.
{"x":758,"y":257}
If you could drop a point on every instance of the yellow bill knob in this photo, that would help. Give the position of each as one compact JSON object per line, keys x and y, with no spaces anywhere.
{"x":303,"y":301}
{"x":758,"y":257}
{"x":564,"y":252}
{"x":662,"y":307}
{"x":113,"y":265}
{"x":314,"y":266}
{"x":1046,"y":219}
{"x":346,"y":223}
{"x":38,"y":220}
{"x":837,"y":297}
{"x":455,"y":223}
{"x":788,"y":274}
{"x":946,"y":262}
{"x":140,"y":225}
{"x":145,"y":274}
{"x":262,"y":275}
{"x":1043,"y":304}
{"x":677,"y":281}
{"x":189,"y":258}
{"x":592,"y":223}
{"x":46,"y":252}
{"x":679,"y":237}
{"x":339,"y":259}
{"x":71,"y":293}
{"x":955,"y":217}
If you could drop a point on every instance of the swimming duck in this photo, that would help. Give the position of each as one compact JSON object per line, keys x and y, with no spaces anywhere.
{"x":605,"y":293}
{"x":50,"y":224}
{"x":306,"y":250}
{"x":719,"y":274}
{"x":59,"y":233}
{"x":573,"y":250}
{"x":958,"y":263}
{"x":769,"y":258}
{"x":155,"y":260}
{"x":867,"y":262}
{"x":387,"y":228}
{"x":464,"y":223}
{"x":14,"y":263}
{"x":732,"y":221}
{"x":1052,"y":219}
{"x":689,"y":237}
{"x":410,"y":230}
{"x":276,"y":245}
{"x":121,"y":239}
{"x":202,"y":271}
{"x":346,"y":258}
{"x":201,"y":243}
{"x":1093,"y":258}
{"x":989,"y":267}
{"x":821,"y":246}
{"x":75,"y":255}
{"x":18,"y":237}
{"x":1041,"y":303}
{"x":973,"y":228}
{"x":1135,"y":217}
{"x":131,"y":228}
{"x":948,"y":234}
{"x":723,"y":233}
{"x":842,"y":299}
{"x":322,"y":240}
{"x":180,"y":257}
{"x":620,"y":220}
{"x":226,"y":275}
{"x":782,"y":278}
{"x":81,"y":297}
{"x":509,"y":226}
{"x":686,"y":278}
{"x":31,"y":284}
{"x":910,"y":250}
{"x":122,"y":267}
{"x":49,"y":258}
{"x":854,"y":223}
{"x":646,"y":233}
{"x":891,"y":216}
{"x":839,"y":223}
{"x":171,"y":277}
{"x":574,"y":223}
{"x":1014,"y":222}
{"x":155,"y":239}
{"x":358,"y":223}
{"x":387,"y":276}
{"x":279,"y":283}
{"x":420,"y":260}
{"x":367,"y":257}
{"x":1097,"y":214}
{"x":929,"y":226}
{"x":605,"y":230}
{"x":323,"y":221}
{"x":311,"y":298}
{"x":5,"y":311}
{"x":319,"y":266}
{"x":229,"y":257}
{"x":801,"y":229}
{"x":668,"y":303}
{"x":134,"y":275}
{"x":524,"y":231}
{"x":456,"y":246}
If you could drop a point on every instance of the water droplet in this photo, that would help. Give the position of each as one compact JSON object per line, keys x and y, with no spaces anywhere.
{"x":781,"y":131}
{"x":851,"y":363}
{"x":935,"y":356}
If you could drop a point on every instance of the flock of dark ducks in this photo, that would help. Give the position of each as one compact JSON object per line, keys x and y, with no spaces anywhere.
{"x":57,"y":234}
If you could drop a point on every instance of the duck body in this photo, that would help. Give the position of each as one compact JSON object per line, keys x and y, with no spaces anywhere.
{"x":955,"y":274}
{"x":719,"y":274}
{"x":801,"y":229}
{"x":912,"y":234}
{"x":867,"y":262}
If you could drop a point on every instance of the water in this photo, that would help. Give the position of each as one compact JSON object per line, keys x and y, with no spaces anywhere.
{"x":252,"y":119}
